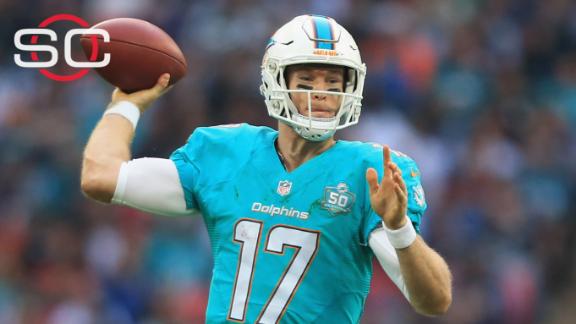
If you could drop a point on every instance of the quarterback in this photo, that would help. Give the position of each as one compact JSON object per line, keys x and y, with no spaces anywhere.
{"x":294,"y":216}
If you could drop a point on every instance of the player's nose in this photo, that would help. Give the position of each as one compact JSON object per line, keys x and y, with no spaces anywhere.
{"x":320,"y":86}
{"x":319,"y":96}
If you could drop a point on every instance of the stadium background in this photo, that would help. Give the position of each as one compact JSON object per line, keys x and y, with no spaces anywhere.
{"x":482,"y":94}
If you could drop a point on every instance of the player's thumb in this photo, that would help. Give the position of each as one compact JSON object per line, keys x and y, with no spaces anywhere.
{"x":161,"y":84}
{"x":372,"y":179}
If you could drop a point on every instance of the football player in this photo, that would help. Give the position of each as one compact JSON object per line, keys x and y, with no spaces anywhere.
{"x":294,"y":216}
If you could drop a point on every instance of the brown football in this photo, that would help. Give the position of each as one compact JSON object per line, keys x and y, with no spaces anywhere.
{"x":139,"y":53}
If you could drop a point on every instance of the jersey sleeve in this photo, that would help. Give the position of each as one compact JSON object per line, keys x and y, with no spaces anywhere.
{"x":187,"y":166}
{"x":209,"y":156}
{"x":416,"y":198}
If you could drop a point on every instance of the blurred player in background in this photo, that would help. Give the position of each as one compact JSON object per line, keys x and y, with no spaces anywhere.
{"x":294,"y":216}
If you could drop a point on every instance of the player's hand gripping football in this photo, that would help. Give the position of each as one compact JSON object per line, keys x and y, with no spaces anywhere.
{"x":143,"y":98}
{"x":389,"y":197}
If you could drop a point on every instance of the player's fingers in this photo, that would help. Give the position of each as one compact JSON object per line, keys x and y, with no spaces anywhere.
{"x":400,"y":193}
{"x":395,"y":168}
{"x":386,"y":152}
{"x":372,"y":179}
{"x":162,"y":83}
{"x":158,"y":88}
{"x":400,"y":181}
{"x":391,"y":170}
{"x":149,"y":95}
{"x":396,"y":172}
{"x":403,"y":186}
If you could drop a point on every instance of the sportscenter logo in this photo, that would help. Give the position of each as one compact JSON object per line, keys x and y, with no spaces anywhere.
{"x":33,"y":48}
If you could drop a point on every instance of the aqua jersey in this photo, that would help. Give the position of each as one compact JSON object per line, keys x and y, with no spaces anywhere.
{"x":288,"y":247}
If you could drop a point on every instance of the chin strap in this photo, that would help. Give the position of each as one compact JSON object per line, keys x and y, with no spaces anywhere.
{"x":319,"y":130}
{"x":313,"y":135}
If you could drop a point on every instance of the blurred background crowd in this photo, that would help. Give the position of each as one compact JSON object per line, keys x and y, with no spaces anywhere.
{"x":482,"y":94}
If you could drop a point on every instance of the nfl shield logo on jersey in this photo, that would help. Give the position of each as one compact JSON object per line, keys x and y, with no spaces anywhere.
{"x":284,"y":187}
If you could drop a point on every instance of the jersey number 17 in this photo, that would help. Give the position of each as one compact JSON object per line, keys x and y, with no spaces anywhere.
{"x":247,"y":233}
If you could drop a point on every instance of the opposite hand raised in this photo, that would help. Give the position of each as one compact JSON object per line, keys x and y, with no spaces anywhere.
{"x":389,"y":197}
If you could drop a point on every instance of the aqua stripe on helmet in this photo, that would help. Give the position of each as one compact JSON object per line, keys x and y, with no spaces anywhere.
{"x":323,"y":31}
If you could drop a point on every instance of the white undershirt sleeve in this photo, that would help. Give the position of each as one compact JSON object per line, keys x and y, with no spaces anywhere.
{"x":388,"y":259}
{"x":151,"y":185}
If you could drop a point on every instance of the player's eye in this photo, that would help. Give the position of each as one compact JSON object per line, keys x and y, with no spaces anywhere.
{"x":335,"y":89}
{"x":304,"y":87}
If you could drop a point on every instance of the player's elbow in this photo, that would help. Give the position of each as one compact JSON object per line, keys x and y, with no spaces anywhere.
{"x":435,"y":306}
{"x":98,"y":179}
{"x":94,"y":188}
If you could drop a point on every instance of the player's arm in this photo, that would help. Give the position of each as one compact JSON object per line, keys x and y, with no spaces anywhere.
{"x":109,"y":143}
{"x":425,"y":274}
{"x":418,"y":271}
{"x":427,"y":278}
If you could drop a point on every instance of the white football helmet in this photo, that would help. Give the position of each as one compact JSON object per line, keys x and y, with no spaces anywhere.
{"x":311,"y":39}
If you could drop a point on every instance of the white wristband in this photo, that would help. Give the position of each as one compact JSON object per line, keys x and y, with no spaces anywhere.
{"x":127,"y":110}
{"x":403,"y":237}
